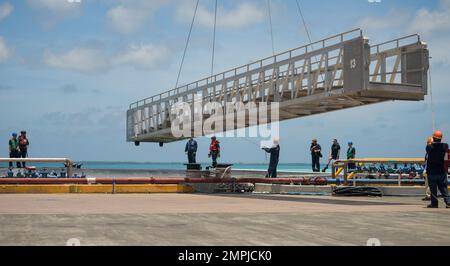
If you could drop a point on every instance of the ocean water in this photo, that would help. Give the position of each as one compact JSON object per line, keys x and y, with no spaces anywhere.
{"x":300,"y":167}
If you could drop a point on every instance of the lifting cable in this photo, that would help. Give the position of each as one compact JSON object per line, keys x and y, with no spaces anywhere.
{"x":269,"y":13}
{"x":213,"y":57}
{"x":271,"y":26}
{"x":306,"y":30}
{"x":433,"y":112}
{"x":187,"y":43}
{"x":214,"y":39}
{"x":256,"y":144}
{"x":303,"y":21}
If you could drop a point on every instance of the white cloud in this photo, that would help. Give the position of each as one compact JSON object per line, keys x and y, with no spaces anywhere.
{"x":142,"y":56}
{"x":129,"y":16}
{"x":432,"y":24}
{"x":55,"y":6}
{"x":422,"y":21}
{"x":92,"y":60}
{"x":5,"y":10}
{"x":83,"y":60}
{"x":242,"y":15}
{"x":126,"y":20}
{"x":438,"y":47}
{"x":432,"y":20}
{"x":5,"y":51}
{"x":393,"y":20}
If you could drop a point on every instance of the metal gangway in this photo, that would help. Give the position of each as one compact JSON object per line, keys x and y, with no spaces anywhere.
{"x":339,"y":72}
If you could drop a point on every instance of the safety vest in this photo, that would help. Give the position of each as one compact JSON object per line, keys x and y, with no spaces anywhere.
{"x":214,"y":146}
{"x":23,"y":141}
{"x":13,"y":144}
{"x":351,"y":152}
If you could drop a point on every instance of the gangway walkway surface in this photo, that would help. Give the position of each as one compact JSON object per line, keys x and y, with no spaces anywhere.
{"x":339,"y":72}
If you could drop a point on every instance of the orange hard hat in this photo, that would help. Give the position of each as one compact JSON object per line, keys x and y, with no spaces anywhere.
{"x":437,"y":135}
{"x":430,"y":141}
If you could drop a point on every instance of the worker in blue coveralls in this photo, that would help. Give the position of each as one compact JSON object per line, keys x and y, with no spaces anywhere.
{"x":191,"y":150}
{"x":274,"y":158}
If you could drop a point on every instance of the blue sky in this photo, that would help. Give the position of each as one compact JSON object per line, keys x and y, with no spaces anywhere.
{"x":68,"y":71}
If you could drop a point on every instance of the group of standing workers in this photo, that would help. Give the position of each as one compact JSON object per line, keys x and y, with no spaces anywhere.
{"x":316,"y":154}
{"x":18,"y":148}
{"x":214,"y":151}
{"x":436,"y":153}
{"x":436,"y":156}
{"x":274,"y":151}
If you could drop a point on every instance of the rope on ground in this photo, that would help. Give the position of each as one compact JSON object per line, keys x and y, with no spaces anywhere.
{"x":358,"y":192}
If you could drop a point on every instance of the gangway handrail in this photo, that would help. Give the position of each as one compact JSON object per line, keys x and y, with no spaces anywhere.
{"x":383,"y":160}
{"x":397,"y":41}
{"x":247,"y":66}
{"x":340,"y":166}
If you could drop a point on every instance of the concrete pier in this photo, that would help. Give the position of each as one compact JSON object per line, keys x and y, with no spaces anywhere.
{"x":232,"y":219}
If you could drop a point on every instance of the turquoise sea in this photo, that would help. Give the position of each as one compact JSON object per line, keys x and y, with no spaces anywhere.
{"x":299,"y":167}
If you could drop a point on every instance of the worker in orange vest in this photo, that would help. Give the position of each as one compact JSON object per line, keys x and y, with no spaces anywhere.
{"x":214,"y":151}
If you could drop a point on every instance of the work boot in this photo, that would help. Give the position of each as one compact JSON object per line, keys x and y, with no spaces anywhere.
{"x":432,"y":207}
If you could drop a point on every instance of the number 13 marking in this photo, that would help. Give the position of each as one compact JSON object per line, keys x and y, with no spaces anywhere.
{"x":353,"y":63}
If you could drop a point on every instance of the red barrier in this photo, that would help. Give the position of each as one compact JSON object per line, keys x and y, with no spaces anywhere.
{"x":42,"y":181}
{"x":137,"y":181}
